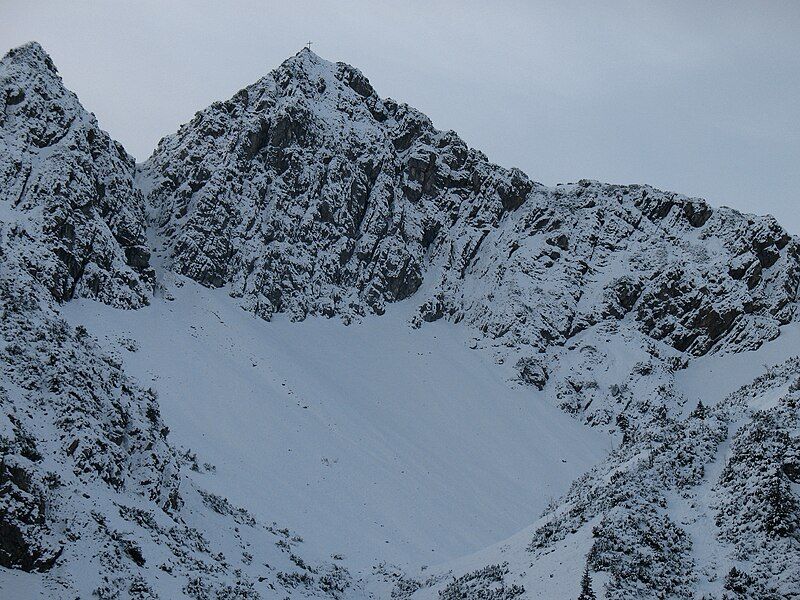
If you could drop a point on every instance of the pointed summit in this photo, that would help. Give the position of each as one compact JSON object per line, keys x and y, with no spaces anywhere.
{"x":30,"y":83}
{"x":35,"y":106}
{"x":310,"y":71}
{"x":306,"y":57}
{"x":32,"y":55}
{"x":55,"y":156}
{"x":307,"y":50}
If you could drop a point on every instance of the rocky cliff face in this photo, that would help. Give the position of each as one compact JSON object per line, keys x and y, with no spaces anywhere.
{"x":78,"y":224}
{"x":307,"y":193}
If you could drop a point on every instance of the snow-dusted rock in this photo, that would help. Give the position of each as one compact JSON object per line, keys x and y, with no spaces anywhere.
{"x":71,"y":213}
{"x":307,"y":193}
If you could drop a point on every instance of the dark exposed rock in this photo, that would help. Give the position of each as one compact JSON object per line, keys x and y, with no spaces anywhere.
{"x":532,"y":371}
{"x":26,"y":541}
{"x":697,"y":213}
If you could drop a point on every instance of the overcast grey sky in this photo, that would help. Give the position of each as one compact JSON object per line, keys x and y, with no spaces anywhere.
{"x":697,"y":97}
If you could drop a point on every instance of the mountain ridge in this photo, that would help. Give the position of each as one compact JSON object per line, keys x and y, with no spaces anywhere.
{"x":414,"y":180}
{"x":307,"y":194}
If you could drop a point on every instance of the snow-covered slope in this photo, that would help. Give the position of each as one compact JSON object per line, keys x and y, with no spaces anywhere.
{"x":377,"y":438}
{"x":585,"y":365}
{"x":704,"y":506}
{"x":94,"y":498}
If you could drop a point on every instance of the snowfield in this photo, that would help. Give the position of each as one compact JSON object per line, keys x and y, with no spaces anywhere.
{"x":376,"y":438}
{"x":712,"y":378}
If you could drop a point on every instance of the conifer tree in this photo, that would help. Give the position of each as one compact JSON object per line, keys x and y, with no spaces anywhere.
{"x":586,"y":586}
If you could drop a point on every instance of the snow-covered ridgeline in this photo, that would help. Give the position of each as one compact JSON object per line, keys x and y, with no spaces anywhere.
{"x":308,"y":194}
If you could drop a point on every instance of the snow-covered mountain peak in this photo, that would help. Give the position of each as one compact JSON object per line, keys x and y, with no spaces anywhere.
{"x":30,"y":55}
{"x":306,"y":68}
{"x":306,"y":194}
{"x":65,"y":184}
{"x":32,"y":90}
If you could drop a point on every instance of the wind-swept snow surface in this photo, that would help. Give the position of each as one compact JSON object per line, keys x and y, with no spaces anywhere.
{"x":382,"y":440}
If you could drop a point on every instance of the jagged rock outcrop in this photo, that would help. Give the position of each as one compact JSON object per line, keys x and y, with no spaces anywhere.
{"x":71,"y":212}
{"x":307,"y":193}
